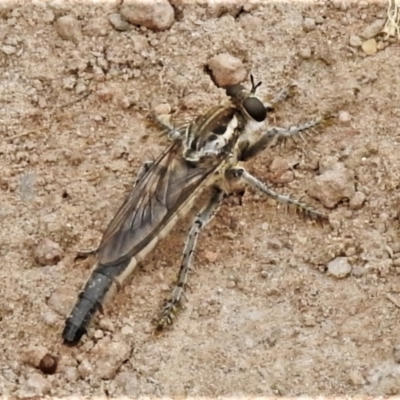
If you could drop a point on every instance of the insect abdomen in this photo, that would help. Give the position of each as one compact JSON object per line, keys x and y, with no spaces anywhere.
{"x":90,"y":300}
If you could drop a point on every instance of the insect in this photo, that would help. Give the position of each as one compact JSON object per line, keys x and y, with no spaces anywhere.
{"x":204,"y":154}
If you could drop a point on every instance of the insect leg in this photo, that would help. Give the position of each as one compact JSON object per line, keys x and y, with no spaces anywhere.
{"x":282,"y":95}
{"x":171,"y":307}
{"x":275,"y":134}
{"x":173,"y":133}
{"x":302,"y":208}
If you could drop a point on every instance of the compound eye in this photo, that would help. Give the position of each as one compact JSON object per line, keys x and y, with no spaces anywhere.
{"x":234,"y":90}
{"x":255,"y":108}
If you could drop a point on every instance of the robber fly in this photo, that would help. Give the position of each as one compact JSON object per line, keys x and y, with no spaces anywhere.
{"x":205,"y":153}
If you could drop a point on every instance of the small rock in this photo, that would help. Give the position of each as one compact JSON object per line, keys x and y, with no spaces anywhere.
{"x":356,"y":378}
{"x":396,"y":353}
{"x":128,"y":383}
{"x":156,"y":15}
{"x":162,"y":109}
{"x":265,"y":226}
{"x":355,"y":41}
{"x":8,"y":50}
{"x":97,"y":27}
{"x":37,"y":384}
{"x":80,"y":88}
{"x":274,"y":244}
{"x":109,"y":356}
{"x":85,"y":369}
{"x":305,"y":53}
{"x":33,"y":355}
{"x":308,"y":24}
{"x":231,"y":284}
{"x":98,"y":334}
{"x":106,"y":324}
{"x":282,"y":164}
{"x":369,"y":47}
{"x":48,"y":252}
{"x":339,"y":267}
{"x":309,"y":320}
{"x":373,"y":29}
{"x":118,"y":22}
{"x":227,"y":69}
{"x":61,"y":300}
{"x":357,"y":201}
{"x":333,"y":186}
{"x":211,"y":256}
{"x":344,"y":117}
{"x":50,"y":317}
{"x":396,"y":262}
{"x":250,"y":22}
{"x":127,"y":330}
{"x":358,"y":271}
{"x":48,"y":364}
{"x":71,"y":374}
{"x":69,"y":28}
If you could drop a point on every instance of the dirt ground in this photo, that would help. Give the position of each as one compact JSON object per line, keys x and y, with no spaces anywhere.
{"x":263,"y":316}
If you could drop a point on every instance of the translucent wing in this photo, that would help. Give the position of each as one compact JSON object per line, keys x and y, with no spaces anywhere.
{"x":160,"y":192}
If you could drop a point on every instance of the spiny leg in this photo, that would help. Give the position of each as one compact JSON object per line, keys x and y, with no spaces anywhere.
{"x":171,"y":307}
{"x":275,"y":134}
{"x":282,"y":95}
{"x":173,"y":132}
{"x":302,"y":208}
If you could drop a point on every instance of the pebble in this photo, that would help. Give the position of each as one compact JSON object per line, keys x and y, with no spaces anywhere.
{"x":108,"y":357}
{"x":71,"y":374}
{"x":85,"y":369}
{"x":305,"y":53}
{"x":396,"y":353}
{"x":98,"y":334}
{"x":48,"y":252}
{"x":227,"y":69}
{"x":48,"y":364}
{"x":282,"y":164}
{"x":61,"y":300}
{"x":274,"y":244}
{"x":128,"y":383}
{"x":37,"y":384}
{"x":369,"y":47}
{"x":106,"y":324}
{"x":97,"y":27}
{"x":339,"y":267}
{"x":344,"y":117}
{"x":356,"y":378}
{"x":211,"y":256}
{"x":118,"y":23}
{"x":355,"y":41}
{"x":358,"y":271}
{"x":373,"y":29}
{"x":308,"y":24}
{"x":33,"y":355}
{"x":155,"y":15}
{"x":162,"y":109}
{"x":8,"y":50}
{"x":230,"y":284}
{"x":357,"y":201}
{"x":69,"y":28}
{"x":333,"y":186}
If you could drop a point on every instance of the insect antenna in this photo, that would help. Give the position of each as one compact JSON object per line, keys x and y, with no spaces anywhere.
{"x":254,"y":86}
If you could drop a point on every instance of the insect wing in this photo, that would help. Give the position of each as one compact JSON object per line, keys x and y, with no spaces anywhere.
{"x":159,"y":193}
